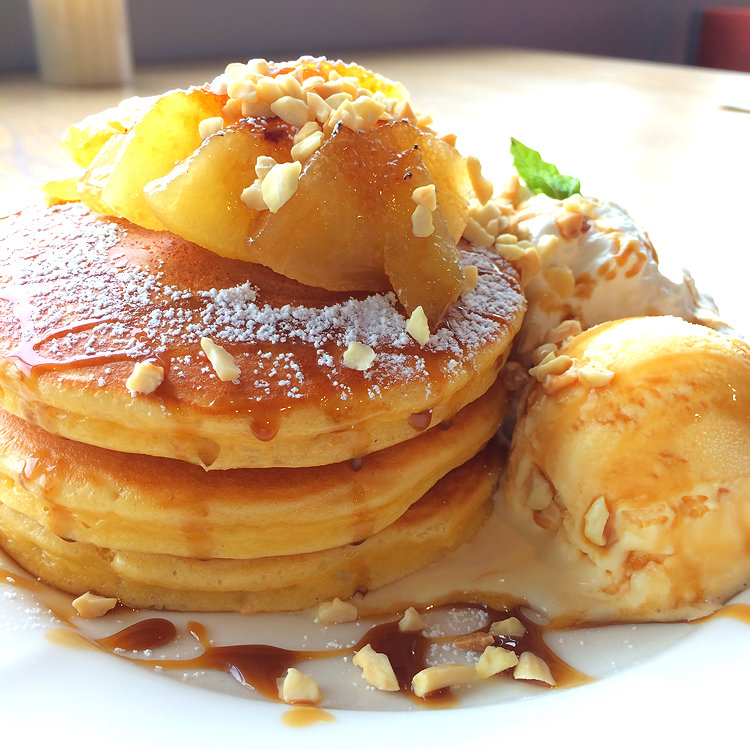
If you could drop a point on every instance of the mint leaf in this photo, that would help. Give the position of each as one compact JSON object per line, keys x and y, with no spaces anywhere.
{"x":541,"y":176}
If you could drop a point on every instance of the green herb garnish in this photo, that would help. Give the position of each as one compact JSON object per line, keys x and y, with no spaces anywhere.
{"x":541,"y":176}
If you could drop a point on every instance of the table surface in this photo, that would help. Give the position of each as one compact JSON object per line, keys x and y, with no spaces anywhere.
{"x":667,"y":142}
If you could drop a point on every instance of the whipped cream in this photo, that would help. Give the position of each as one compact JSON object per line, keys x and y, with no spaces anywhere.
{"x":615,"y":271}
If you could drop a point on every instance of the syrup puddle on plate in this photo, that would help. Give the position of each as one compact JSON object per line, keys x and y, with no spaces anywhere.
{"x":245,"y":655}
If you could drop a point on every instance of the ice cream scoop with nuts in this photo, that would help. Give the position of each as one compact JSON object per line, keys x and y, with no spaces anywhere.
{"x":629,"y":464}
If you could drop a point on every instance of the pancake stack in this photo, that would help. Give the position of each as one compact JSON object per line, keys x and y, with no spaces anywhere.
{"x":298,"y":480}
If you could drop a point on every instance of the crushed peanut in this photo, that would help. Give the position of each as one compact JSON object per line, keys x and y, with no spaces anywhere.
{"x":495,"y":659}
{"x":304,"y":149}
{"x":376,"y":669}
{"x":561,"y":281}
{"x":91,"y":605}
{"x":471,"y":277}
{"x":551,"y":365}
{"x":252,"y":197}
{"x":417,"y":326}
{"x":594,"y":375}
{"x":411,"y":622}
{"x":510,"y":627}
{"x":595,"y":520}
{"x":421,"y":222}
{"x":442,"y":676}
{"x":547,"y":245}
{"x":336,"y":612}
{"x":541,"y":493}
{"x":209,"y":126}
{"x":280,"y":184}
{"x":425,"y":196}
{"x":297,"y":687}
{"x":474,"y":641}
{"x":145,"y":378}
{"x":569,"y":224}
{"x":358,"y":356}
{"x":564,"y":330}
{"x":477,"y":234}
{"x":532,"y":667}
{"x":482,"y":186}
{"x":221,"y":360}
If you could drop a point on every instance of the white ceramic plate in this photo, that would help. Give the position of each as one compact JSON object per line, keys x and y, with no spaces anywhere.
{"x":666,"y":683}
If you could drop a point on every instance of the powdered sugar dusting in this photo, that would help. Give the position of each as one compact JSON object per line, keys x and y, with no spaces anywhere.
{"x":78,"y":293}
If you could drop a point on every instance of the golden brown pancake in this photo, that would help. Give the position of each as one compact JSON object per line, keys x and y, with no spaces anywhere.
{"x":446,"y":516}
{"x":82,"y":299}
{"x":147,"y":504}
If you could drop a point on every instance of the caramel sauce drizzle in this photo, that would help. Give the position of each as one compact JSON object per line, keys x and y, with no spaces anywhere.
{"x":259,"y":667}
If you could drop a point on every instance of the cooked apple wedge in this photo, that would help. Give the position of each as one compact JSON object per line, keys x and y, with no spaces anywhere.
{"x":166,"y":134}
{"x":200,"y":198}
{"x":353,"y":204}
{"x":423,"y":271}
{"x":83,"y":140}
{"x":330,"y":232}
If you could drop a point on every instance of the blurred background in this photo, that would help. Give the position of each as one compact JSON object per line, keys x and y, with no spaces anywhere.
{"x":170,"y":30}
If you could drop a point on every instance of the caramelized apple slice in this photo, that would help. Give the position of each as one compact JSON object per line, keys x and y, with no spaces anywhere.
{"x":200,"y":198}
{"x":83,"y":140}
{"x":423,"y":271}
{"x":166,"y":134}
{"x":330,"y":232}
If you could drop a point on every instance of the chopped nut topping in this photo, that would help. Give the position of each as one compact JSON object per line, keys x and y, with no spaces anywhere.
{"x":495,"y":659}
{"x":421,"y":222}
{"x":561,"y":281}
{"x":477,"y":234}
{"x":252,"y":196}
{"x":531,"y":667}
{"x":297,"y":687}
{"x":511,"y":627}
{"x":564,"y":330}
{"x":540,"y":492}
{"x":411,"y":622}
{"x":442,"y":676}
{"x":358,"y":356}
{"x":221,"y":360}
{"x":425,"y":196}
{"x":547,"y":245}
{"x":417,"y":326}
{"x":145,"y":378}
{"x":336,"y":612}
{"x":306,"y":130}
{"x":90,"y":605}
{"x":263,"y":165}
{"x":595,"y":521}
{"x":483,"y":188}
{"x":305,"y":148}
{"x":569,"y":224}
{"x":471,"y":277}
{"x":280,"y":184}
{"x":543,"y":351}
{"x":291,"y":110}
{"x":474,"y":641}
{"x":376,"y":669}
{"x":551,"y":365}
{"x":209,"y":126}
{"x":594,"y":375}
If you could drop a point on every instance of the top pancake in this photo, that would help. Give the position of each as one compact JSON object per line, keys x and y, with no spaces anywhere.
{"x":83,"y":298}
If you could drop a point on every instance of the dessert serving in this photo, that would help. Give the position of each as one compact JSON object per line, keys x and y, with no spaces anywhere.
{"x":256,"y":357}
{"x":259,"y":421}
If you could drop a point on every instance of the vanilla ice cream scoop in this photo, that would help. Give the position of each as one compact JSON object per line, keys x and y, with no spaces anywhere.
{"x":630,"y":464}
{"x":596,"y":266}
